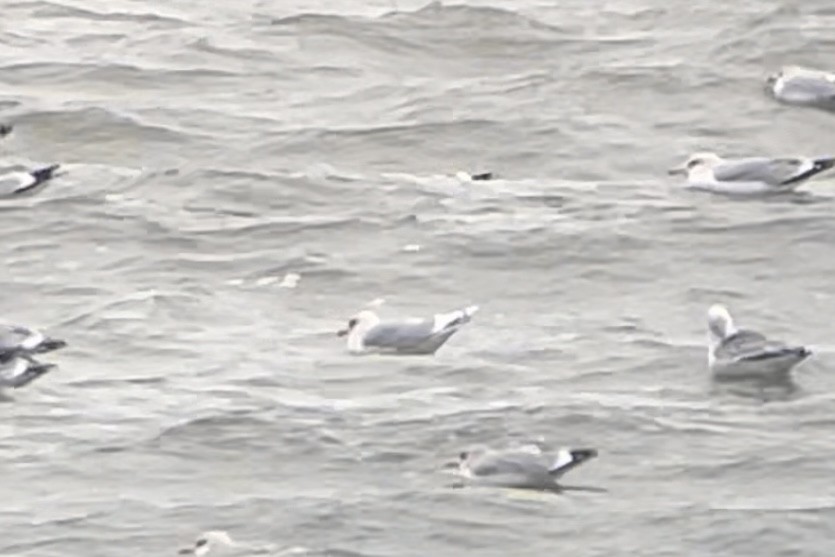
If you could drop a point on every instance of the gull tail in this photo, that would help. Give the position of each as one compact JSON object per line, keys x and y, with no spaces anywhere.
{"x":570,"y":458}
{"x":454,"y":319}
{"x":43,"y":174}
{"x":33,"y":371}
{"x":49,"y":344}
{"x":39,"y":176}
{"x":818,"y":166}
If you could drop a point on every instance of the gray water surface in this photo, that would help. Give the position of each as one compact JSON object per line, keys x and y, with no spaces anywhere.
{"x":214,"y":147}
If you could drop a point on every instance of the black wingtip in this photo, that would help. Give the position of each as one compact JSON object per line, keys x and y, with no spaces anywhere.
{"x":580,"y":455}
{"x":824,"y":163}
{"x":818,"y":165}
{"x":5,"y":129}
{"x":41,"y":175}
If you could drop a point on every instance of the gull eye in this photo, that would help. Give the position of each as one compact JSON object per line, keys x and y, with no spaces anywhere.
{"x":694,"y":162}
{"x":463,"y":455}
{"x":352,"y":323}
{"x":201,"y":542}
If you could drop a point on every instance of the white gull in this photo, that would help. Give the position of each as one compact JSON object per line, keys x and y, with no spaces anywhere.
{"x":803,"y":87}
{"x":755,"y":175}
{"x":524,"y":467}
{"x":742,"y":353}
{"x":367,"y":333}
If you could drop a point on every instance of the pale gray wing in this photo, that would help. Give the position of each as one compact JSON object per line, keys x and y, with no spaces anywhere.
{"x":751,"y":346}
{"x":404,"y":336}
{"x":510,"y":463}
{"x":775,"y":172}
{"x":809,"y":89}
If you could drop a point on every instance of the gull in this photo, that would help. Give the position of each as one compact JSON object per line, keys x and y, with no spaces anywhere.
{"x":754,"y":175}
{"x":17,"y":339}
{"x":366,"y":333}
{"x":525,"y":467}
{"x":742,"y":353}
{"x":19,"y":371}
{"x":19,"y":182}
{"x":204,"y":543}
{"x":803,"y":86}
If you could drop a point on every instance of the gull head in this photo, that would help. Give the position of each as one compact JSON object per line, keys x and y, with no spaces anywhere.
{"x":465,"y":457}
{"x":696,"y":161}
{"x":362,"y":321}
{"x":719,"y":321}
{"x":206,"y":541}
{"x":772,"y":80}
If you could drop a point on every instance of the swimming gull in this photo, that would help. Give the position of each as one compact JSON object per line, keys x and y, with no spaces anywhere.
{"x":524,"y":467}
{"x":803,"y":87}
{"x":19,"y":182}
{"x":366,"y":333}
{"x":206,"y":541}
{"x":19,"y":371}
{"x":741,"y":353}
{"x":16,"y":339}
{"x":755,"y":175}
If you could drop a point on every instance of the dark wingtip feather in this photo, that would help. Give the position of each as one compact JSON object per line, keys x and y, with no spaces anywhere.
{"x":5,"y":129}
{"x":43,"y":174}
{"x":825,"y":163}
{"x":819,"y":165}
{"x":580,"y":455}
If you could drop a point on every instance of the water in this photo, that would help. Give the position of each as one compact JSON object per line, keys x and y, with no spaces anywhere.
{"x":212,"y":148}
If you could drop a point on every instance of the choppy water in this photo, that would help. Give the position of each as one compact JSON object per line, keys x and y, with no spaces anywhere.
{"x":214,"y":147}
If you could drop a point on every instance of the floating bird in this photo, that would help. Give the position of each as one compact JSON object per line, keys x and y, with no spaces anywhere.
{"x":19,"y":182}
{"x":756,"y":175}
{"x":525,"y":467}
{"x":741,"y":353}
{"x":366,"y":333}
{"x":803,"y":87}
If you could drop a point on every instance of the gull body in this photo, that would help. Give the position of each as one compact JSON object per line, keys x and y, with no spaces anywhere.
{"x":755,"y":175}
{"x":743,"y":353}
{"x":801,"y":86}
{"x":524,"y":467}
{"x":368,"y":334}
